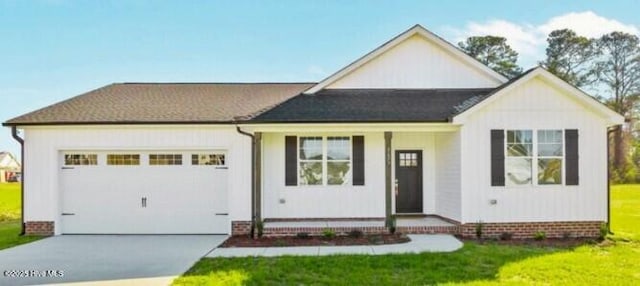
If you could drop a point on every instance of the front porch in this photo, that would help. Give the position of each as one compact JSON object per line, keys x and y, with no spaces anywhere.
{"x":405,"y":225}
{"x":356,"y":177}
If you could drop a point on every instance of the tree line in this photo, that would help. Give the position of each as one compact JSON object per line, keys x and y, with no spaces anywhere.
{"x":607,"y":67}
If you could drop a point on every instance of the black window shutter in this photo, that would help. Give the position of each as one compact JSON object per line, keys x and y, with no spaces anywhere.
{"x":358,"y":160}
{"x":497,"y":157}
{"x":290,"y":160}
{"x":571,"y":153}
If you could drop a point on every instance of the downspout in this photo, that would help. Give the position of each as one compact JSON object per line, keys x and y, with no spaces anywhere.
{"x":609,"y":131}
{"x":14,"y":134}
{"x":253,"y":179}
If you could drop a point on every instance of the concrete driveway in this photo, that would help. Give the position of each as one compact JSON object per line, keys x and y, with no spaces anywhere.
{"x":105,"y":259}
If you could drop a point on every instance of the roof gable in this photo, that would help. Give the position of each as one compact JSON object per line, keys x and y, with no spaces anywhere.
{"x":8,"y":161}
{"x":574,"y":96}
{"x":416,"y":58}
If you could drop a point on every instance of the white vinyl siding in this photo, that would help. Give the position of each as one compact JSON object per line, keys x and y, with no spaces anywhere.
{"x":416,"y":63}
{"x":322,"y":201}
{"x":535,"y":105}
{"x":44,"y":144}
{"x":448,"y":175}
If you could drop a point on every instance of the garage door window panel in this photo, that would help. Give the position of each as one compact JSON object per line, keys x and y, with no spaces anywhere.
{"x":208,"y":159}
{"x":80,"y":159}
{"x":165,"y":159}
{"x":123,"y":159}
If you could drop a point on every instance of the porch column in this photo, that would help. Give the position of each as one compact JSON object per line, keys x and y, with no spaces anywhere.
{"x":257,"y":165}
{"x":387,"y":176}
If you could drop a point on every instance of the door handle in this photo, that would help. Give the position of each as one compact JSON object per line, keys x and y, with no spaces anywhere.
{"x":144,"y":202}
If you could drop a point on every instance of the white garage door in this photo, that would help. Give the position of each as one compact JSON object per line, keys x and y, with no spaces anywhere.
{"x":150,"y":192}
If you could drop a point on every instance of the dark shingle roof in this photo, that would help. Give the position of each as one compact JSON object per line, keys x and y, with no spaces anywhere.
{"x":165,"y":103}
{"x":375,"y":105}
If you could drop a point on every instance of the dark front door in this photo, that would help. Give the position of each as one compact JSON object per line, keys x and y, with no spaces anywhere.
{"x":408,"y":181}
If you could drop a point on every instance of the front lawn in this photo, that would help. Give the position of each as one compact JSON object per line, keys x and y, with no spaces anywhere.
{"x":9,"y":201}
{"x":614,"y":262}
{"x":10,"y":216}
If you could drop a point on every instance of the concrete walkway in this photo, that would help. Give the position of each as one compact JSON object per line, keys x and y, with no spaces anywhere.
{"x":105,"y":259}
{"x":419,"y":243}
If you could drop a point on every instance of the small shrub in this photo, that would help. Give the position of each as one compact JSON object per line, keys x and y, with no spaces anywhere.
{"x":355,"y":233}
{"x":604,"y":230}
{"x":375,"y":239}
{"x":260,"y":227}
{"x":506,"y":236}
{"x":280,"y":243}
{"x":392,"y":224}
{"x":479,"y":229}
{"x":540,"y":235}
{"x":303,"y":235}
{"x":328,"y":233}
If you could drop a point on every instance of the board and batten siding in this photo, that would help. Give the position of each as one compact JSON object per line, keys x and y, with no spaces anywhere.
{"x":280,"y":201}
{"x":416,"y":63}
{"x":534,"y":105}
{"x":44,"y":146}
{"x":424,"y":142}
{"x":448,"y":175}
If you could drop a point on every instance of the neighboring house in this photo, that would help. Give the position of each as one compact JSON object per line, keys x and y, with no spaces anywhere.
{"x":9,"y":167}
{"x":415,"y":128}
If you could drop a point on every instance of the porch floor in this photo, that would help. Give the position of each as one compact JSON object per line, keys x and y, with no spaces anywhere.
{"x":422,"y":221}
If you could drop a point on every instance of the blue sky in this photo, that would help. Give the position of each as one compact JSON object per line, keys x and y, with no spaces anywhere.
{"x":52,"y":50}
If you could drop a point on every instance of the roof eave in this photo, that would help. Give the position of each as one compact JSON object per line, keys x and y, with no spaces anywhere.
{"x":75,"y":123}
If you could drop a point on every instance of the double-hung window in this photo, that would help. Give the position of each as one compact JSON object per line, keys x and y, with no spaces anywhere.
{"x":528,"y":153}
{"x":324,"y":160}
{"x":518,"y":157}
{"x":550,"y":157}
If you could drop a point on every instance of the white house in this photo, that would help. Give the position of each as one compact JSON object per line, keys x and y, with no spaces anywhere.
{"x":415,"y":130}
{"x":9,"y":167}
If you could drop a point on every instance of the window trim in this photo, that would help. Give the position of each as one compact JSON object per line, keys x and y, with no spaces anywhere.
{"x":535,"y":157}
{"x":324,"y":160}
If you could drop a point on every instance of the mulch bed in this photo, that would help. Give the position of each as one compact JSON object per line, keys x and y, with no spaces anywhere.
{"x":245,"y":241}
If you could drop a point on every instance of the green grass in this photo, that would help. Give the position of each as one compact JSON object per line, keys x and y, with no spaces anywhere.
{"x":10,"y":217}
{"x":612,"y":263}
{"x":625,"y":214}
{"x":9,"y":201}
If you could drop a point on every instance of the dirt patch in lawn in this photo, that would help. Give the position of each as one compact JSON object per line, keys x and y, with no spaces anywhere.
{"x":245,"y":241}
